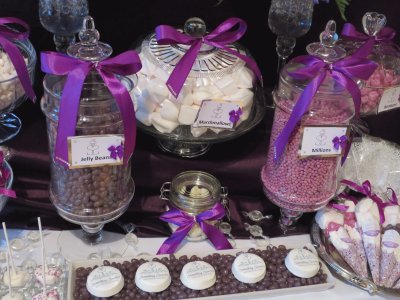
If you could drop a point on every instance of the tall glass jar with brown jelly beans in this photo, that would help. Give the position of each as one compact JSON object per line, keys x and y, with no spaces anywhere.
{"x":93,"y":195}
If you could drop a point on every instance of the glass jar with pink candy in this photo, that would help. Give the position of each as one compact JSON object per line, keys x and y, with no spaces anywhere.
{"x":316,"y":99}
{"x":381,"y":92}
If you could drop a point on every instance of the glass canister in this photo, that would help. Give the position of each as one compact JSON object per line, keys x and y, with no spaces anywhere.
{"x":216,"y":75}
{"x":381,"y":91}
{"x":295,"y":183}
{"x":90,"y":195}
{"x":194,"y":192}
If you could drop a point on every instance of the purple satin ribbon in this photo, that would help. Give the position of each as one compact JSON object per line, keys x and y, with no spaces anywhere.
{"x":185,"y":223}
{"x":339,"y":142}
{"x":7,"y":36}
{"x":393,"y":200}
{"x":116,"y":151}
{"x":124,"y":64}
{"x":366,"y":190}
{"x":222,"y":36}
{"x":4,"y":176}
{"x":342,"y":72}
{"x":337,"y":206}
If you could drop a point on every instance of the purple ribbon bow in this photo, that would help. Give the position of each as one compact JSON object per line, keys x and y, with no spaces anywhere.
{"x":219,"y":38}
{"x":385,"y":35}
{"x":366,"y":190}
{"x":124,"y":64}
{"x":342,"y":71}
{"x":4,"y":176}
{"x":117,"y":151}
{"x":339,"y":142}
{"x":7,"y":35}
{"x":234,"y":115}
{"x":185,"y":223}
{"x":393,"y":200}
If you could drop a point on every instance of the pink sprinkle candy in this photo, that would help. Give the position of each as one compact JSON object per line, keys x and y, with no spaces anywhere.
{"x":373,"y":96}
{"x":51,"y":295}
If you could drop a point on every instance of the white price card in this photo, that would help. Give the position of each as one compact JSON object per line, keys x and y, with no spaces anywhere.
{"x":218,"y":114}
{"x":95,"y":151}
{"x":328,"y":141}
{"x":390,"y":99}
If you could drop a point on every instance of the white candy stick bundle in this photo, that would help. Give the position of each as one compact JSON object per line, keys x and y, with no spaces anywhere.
{"x":390,"y":255}
{"x":368,"y":220}
{"x":9,"y":276}
{"x":9,"y":248}
{"x":43,"y":258}
{"x":332,"y":223}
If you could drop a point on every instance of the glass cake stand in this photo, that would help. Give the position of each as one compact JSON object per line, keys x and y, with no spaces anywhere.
{"x":182,"y":143}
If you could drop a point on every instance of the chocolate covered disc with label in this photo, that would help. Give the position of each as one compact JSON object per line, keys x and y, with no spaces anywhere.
{"x":198,"y":275}
{"x":152,"y":277}
{"x":105,"y":281}
{"x":249,"y":268}
{"x":302,"y":263}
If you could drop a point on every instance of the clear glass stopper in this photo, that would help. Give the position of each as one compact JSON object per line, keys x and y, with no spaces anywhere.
{"x":373,"y":22}
{"x":195,"y":27}
{"x":327,"y":48}
{"x":89,"y":48}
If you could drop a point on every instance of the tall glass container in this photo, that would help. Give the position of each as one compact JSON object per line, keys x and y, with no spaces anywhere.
{"x":89,"y":196}
{"x":293,"y":183}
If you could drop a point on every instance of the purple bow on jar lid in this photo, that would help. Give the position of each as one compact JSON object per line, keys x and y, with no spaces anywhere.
{"x":7,"y":35}
{"x":185,"y":223}
{"x":94,"y":57}
{"x":221,"y":37}
{"x":375,"y":31}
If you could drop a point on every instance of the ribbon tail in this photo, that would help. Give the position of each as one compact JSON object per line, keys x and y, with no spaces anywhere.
{"x":365,"y":49}
{"x":20,"y":66}
{"x":69,"y":108}
{"x":299,"y":109}
{"x":215,"y":236}
{"x":126,"y":109}
{"x":182,"y":69}
{"x":171,"y":244}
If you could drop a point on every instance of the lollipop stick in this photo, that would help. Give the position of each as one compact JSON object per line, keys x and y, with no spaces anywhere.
{"x":9,"y":277}
{"x":43,"y":258}
{"x":9,"y":248}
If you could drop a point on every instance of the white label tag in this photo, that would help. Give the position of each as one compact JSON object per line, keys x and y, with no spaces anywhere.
{"x":218,"y":114}
{"x":390,"y":99}
{"x":95,"y":150}
{"x":323,"y":141}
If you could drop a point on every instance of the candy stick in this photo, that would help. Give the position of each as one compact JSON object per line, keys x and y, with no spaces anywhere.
{"x":9,"y":276}
{"x":9,"y":248}
{"x":43,"y":259}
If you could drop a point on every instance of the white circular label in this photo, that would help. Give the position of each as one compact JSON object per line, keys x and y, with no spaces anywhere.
{"x":105,"y":281}
{"x":302,"y":263}
{"x":198,"y":275}
{"x":249,"y":263}
{"x":152,"y":277}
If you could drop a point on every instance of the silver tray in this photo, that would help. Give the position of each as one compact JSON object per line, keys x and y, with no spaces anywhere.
{"x":336,"y":263}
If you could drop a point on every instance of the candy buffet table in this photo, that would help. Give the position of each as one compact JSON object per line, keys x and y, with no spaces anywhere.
{"x":73,"y":249}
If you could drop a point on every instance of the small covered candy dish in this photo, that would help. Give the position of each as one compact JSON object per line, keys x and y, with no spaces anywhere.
{"x":17,"y":68}
{"x":197,"y":88}
{"x":382,"y":90}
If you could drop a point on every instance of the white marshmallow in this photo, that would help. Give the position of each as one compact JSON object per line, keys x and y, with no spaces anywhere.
{"x":391,"y":215}
{"x":244,"y":96}
{"x":340,"y":238}
{"x":367,"y":206}
{"x":244,"y":78}
{"x":188,"y":114}
{"x":185,"y":96}
{"x":146,"y":103}
{"x":144,"y":117}
{"x":198,"y":131}
{"x":351,"y":206}
{"x":158,"y":89}
{"x":162,"y":125}
{"x":325,"y":216}
{"x":226,"y":85}
{"x":170,"y":111}
{"x":200,"y":94}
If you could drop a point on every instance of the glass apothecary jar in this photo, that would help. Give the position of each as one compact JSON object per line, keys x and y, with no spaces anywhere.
{"x":296,"y":181}
{"x":89,"y":195}
{"x":216,"y":75}
{"x":194,"y":192}
{"x":382,"y":90}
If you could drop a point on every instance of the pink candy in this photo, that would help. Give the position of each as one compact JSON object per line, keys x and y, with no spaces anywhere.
{"x":375,"y":87}
{"x":50,"y":295}
{"x":302,"y":184}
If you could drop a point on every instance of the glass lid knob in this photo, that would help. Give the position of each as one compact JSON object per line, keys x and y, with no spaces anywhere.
{"x":195,"y":27}
{"x":89,"y":48}
{"x":373,"y":22}
{"x":326,"y":48}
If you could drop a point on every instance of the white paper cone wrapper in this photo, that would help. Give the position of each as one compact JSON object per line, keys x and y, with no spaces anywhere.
{"x":373,"y":253}
{"x":390,"y":269}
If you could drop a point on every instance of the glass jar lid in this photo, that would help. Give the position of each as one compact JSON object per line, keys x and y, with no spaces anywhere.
{"x":194,"y":191}
{"x":210,"y":62}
